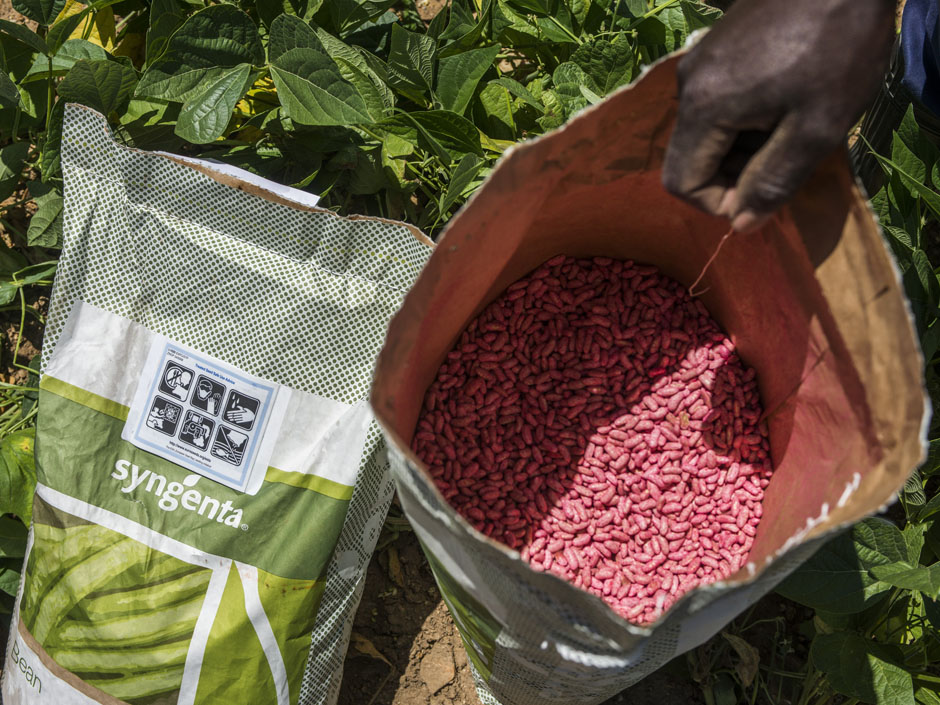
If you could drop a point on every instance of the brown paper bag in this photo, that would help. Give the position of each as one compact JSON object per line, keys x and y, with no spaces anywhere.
{"x":813,"y":303}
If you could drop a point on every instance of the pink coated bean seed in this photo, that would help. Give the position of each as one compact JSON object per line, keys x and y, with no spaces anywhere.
{"x":596,"y":419}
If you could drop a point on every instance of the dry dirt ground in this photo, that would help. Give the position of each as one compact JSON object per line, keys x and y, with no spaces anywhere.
{"x":406,"y":651}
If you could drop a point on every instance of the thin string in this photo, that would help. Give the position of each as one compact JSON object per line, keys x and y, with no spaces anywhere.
{"x":777,"y":218}
{"x":709,"y":264}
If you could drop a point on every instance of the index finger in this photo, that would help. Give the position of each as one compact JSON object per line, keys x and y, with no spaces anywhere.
{"x":692,"y":165}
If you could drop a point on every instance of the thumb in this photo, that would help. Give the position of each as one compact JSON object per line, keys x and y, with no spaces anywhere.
{"x":692,"y":163}
{"x":779,"y":168}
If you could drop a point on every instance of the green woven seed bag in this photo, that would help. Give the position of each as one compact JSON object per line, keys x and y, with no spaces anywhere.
{"x":211,"y":483}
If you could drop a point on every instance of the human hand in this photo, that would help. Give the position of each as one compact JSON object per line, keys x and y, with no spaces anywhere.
{"x":241,"y":415}
{"x":767,"y":94}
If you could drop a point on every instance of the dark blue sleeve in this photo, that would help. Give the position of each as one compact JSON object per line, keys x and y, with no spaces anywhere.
{"x":920,"y":46}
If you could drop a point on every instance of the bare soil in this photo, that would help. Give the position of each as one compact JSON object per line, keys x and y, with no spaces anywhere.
{"x":8,"y":13}
{"x":406,"y":650}
{"x":427,"y":9}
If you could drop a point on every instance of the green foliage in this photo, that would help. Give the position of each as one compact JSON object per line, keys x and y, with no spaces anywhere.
{"x":357,"y":100}
{"x":839,"y":578}
{"x":876,"y":587}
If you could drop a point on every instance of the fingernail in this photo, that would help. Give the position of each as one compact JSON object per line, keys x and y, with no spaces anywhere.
{"x":747,"y":221}
{"x":728,"y":203}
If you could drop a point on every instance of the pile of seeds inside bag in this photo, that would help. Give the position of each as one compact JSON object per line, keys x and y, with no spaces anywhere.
{"x":596,"y":419}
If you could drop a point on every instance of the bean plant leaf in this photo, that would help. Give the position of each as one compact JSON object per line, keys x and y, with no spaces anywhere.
{"x":927,"y":695}
{"x":930,"y":341}
{"x":748,"y":658}
{"x":9,"y":93}
{"x":11,"y":261}
{"x":438,"y":23}
{"x":103,"y":85}
{"x":495,"y":102}
{"x":609,"y":64}
{"x":930,"y":197}
{"x":902,"y":155}
{"x":270,"y":10}
{"x":65,"y":58}
{"x":210,"y":41}
{"x":922,"y":578}
{"x":912,"y":137}
{"x":519,"y":91}
{"x":535,"y":7}
{"x":38,"y":273}
{"x":440,"y":132}
{"x":339,"y":49}
{"x":12,"y":538}
{"x":568,"y":78}
{"x":838,"y":579}
{"x":149,"y":123}
{"x":373,"y":68}
{"x":165,"y":18}
{"x":580,"y":10}
{"x":31,"y":396}
{"x":913,"y":491}
{"x":932,"y":464}
{"x":411,"y":63}
{"x":373,"y":99}
{"x":25,"y":35}
{"x":62,"y":30}
{"x":12,"y":160}
{"x":42,"y":11}
{"x":347,"y":15}
{"x":590,"y":95}
{"x":914,"y":538}
{"x":932,"y":612}
{"x":207,"y":113}
{"x":458,"y":76}
{"x":18,"y":474}
{"x":288,"y":32}
{"x":930,"y":509}
{"x":464,"y":33}
{"x":927,"y":277}
{"x":378,"y":72}
{"x":558,"y":26}
{"x":45,"y":227}
{"x":698,"y":15}
{"x":9,"y":581}
{"x":463,"y":175}
{"x":51,"y":156}
{"x":314,"y":92}
{"x":909,"y":131}
{"x":859,"y":668}
{"x":460,"y":21}
{"x":901,"y":241}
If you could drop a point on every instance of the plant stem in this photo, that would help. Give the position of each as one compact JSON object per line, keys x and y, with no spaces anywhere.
{"x":657,"y":9}
{"x":16,"y":121}
{"x":48,"y":107}
{"x":885,"y":613}
{"x":567,"y":31}
{"x":19,"y":332}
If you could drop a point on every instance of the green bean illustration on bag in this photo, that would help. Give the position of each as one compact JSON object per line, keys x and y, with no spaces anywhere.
{"x":109,"y":608}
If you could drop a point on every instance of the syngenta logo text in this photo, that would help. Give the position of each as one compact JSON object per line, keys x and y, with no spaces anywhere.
{"x":173,"y":495}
